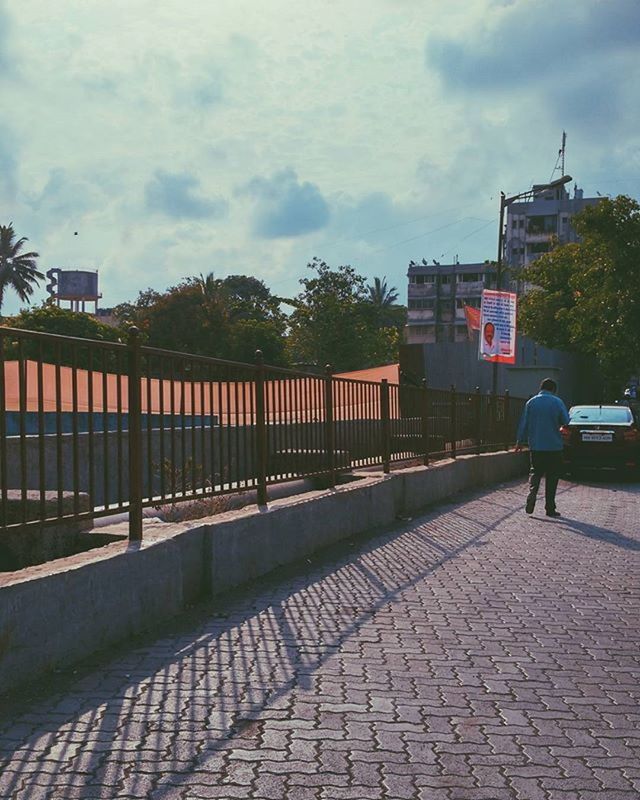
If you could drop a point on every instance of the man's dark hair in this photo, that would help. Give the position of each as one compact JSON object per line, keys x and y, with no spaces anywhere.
{"x":548,"y":385}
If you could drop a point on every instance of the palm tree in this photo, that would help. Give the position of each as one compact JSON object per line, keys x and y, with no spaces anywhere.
{"x":384,"y":302}
{"x":17,"y":270}
{"x":209,"y":285}
{"x":381,"y":296}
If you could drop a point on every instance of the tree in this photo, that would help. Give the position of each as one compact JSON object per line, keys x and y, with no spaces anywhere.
{"x":17,"y":269}
{"x":380,"y":295}
{"x":334,"y":321}
{"x":222,"y":318}
{"x":49,"y":318}
{"x":586,"y":296}
{"x":390,"y":314}
{"x":250,"y":298}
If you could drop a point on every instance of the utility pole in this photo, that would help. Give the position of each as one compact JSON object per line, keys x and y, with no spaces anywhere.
{"x":504,"y":203}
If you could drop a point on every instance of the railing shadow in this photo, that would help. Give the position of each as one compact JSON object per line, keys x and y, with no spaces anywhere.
{"x":143,"y":723}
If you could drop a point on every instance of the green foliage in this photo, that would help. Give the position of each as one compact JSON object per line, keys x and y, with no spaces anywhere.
{"x":49,"y":318}
{"x":249,"y":335}
{"x":18,"y":270}
{"x":335,"y":322}
{"x":384,"y":300}
{"x":226,"y":318}
{"x":587,"y":295}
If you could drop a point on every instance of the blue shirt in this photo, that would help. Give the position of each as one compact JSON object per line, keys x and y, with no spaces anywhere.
{"x":541,"y":420}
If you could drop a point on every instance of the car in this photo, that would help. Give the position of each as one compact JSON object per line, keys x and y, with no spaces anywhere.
{"x":601,"y":436}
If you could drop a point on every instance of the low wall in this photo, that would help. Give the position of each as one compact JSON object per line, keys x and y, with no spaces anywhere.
{"x":55,"y":614}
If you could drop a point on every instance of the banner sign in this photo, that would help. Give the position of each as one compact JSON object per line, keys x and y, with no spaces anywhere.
{"x":497,"y":340}
{"x":473,"y":318}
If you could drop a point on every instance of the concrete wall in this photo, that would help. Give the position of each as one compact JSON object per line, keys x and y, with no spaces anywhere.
{"x":456,"y":363}
{"x":55,"y":614}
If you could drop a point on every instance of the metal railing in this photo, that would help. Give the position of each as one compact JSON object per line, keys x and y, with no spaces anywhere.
{"x":91,"y":428}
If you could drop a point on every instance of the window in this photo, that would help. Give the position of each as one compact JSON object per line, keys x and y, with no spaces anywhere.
{"x":468,"y":277}
{"x":421,"y":279}
{"x":543,"y":223}
{"x":604,"y":414}
{"x":474,"y":302}
{"x":420,"y":302}
{"x":422,"y":330}
{"x":444,"y":279}
{"x":539,"y":247}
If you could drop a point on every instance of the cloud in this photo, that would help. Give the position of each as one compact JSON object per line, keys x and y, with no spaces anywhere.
{"x":65,"y":196}
{"x":204,"y":92}
{"x":175,"y":195}
{"x":285,"y":207}
{"x":525,"y":43}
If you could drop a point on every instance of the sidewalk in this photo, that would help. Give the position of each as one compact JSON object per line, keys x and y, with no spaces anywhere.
{"x":474,"y":652}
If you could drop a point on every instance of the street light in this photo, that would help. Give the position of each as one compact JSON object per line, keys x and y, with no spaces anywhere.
{"x":504,"y":202}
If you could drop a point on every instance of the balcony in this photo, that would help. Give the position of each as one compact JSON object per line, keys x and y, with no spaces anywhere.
{"x":538,"y":237}
{"x":470,"y":289}
{"x":419,"y":314}
{"x":422,"y":290}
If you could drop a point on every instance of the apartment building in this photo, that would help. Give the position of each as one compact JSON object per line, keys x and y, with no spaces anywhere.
{"x":437,"y":295}
{"x":531,"y":224}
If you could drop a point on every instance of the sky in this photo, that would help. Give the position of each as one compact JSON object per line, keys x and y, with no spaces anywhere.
{"x":246,"y":137}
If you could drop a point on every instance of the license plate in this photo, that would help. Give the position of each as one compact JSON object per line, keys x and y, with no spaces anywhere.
{"x":597,"y":437}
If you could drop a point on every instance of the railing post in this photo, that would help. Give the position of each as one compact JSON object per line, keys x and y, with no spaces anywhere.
{"x":478,"y":426}
{"x":386,"y":429}
{"x":493,"y":416}
{"x":329,"y":429}
{"x":507,"y":435}
{"x":454,"y":426}
{"x":3,"y":438}
{"x":261,"y":431}
{"x":424,"y":419}
{"x":135,"y":436}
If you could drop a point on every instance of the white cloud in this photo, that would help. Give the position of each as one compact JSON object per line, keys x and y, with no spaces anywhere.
{"x":134,"y":121}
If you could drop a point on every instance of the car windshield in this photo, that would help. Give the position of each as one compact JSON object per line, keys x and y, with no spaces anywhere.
{"x":606,"y":414}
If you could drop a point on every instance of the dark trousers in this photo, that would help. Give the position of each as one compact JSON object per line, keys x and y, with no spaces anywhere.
{"x":549,"y":464}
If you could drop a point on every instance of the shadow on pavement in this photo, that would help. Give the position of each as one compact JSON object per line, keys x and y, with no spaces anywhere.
{"x":144,"y":722}
{"x":600,"y":534}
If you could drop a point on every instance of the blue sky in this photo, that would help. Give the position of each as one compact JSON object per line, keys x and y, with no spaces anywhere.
{"x":239,"y":136}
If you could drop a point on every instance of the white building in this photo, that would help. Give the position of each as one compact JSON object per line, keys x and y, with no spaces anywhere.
{"x":531,"y":224}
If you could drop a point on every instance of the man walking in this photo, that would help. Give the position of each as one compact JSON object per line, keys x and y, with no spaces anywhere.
{"x":540,"y":429}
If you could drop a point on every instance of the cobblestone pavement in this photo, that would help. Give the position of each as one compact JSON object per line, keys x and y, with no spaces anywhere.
{"x":472,"y":653}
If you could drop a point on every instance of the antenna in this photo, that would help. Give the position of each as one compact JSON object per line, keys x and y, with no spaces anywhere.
{"x":560,"y":160}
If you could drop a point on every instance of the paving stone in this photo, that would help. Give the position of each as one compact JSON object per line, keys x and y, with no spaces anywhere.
{"x":493,"y":657}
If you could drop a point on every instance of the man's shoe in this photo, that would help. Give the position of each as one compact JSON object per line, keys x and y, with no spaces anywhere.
{"x":554,"y":514}
{"x":531,"y":504}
